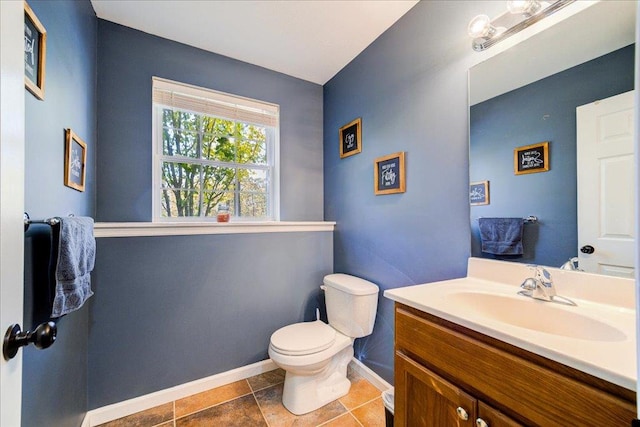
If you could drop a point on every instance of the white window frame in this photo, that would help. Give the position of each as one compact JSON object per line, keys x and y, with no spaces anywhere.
{"x":219,"y":104}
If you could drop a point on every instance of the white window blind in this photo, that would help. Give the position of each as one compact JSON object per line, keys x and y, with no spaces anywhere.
{"x":220,"y":104}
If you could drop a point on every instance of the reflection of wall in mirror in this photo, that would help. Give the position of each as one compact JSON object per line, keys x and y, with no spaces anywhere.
{"x":541,"y":111}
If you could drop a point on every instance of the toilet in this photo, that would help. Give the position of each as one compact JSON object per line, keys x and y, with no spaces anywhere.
{"x":314,"y":354}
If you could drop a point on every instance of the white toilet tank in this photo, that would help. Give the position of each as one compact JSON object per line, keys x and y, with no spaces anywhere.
{"x":351,"y":304}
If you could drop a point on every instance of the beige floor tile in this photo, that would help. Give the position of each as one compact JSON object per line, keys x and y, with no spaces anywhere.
{"x":321,"y":415}
{"x":212,"y":397}
{"x":371,"y":414}
{"x":270,"y":401}
{"x":240,"y":412}
{"x":148,"y":418}
{"x":361,"y":392}
{"x":346,"y":420}
{"x":267,"y":379}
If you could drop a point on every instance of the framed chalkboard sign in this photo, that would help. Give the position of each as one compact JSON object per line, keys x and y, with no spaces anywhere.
{"x":531,"y":158}
{"x":35,"y":49}
{"x":75,"y":158}
{"x":351,"y":138}
{"x":389,"y":174}
{"x":479,"y":193}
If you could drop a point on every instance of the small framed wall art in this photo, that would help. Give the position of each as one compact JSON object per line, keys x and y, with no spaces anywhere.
{"x":531,"y":158}
{"x":479,"y":193}
{"x":35,"y":53}
{"x":351,"y":138}
{"x":389,"y":174}
{"x":75,"y":159}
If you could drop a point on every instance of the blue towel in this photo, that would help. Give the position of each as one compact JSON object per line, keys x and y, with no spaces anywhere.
{"x":501,"y":236}
{"x":76,"y":258}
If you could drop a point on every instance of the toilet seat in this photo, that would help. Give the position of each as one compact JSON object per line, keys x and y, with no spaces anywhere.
{"x":303,"y":338}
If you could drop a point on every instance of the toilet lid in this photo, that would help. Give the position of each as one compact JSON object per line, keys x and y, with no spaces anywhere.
{"x":303,"y":338}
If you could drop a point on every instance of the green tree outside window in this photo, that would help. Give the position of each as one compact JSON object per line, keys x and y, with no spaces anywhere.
{"x":209,"y":161}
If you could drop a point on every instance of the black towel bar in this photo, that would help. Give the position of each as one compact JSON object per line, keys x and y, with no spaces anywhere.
{"x":28,"y":221}
{"x":530,"y":218}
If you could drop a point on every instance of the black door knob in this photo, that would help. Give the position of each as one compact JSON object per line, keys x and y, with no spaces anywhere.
{"x":587,"y":249}
{"x":42,"y":337}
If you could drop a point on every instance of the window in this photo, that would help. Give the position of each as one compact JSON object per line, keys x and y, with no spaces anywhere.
{"x":213,"y":149}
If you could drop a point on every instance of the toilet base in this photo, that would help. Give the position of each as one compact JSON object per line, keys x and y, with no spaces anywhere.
{"x":306,"y":393}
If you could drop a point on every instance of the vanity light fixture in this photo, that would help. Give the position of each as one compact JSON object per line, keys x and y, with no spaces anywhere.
{"x":520,"y":14}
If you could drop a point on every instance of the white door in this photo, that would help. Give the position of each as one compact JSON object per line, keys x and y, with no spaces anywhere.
{"x":11,"y":199}
{"x":606,"y":190}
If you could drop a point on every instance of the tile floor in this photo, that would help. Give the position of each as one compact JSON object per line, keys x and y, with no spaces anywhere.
{"x":257,"y":401}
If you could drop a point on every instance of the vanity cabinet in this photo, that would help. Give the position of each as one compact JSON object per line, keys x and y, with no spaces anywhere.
{"x":445,"y":373}
{"x":425,"y":399}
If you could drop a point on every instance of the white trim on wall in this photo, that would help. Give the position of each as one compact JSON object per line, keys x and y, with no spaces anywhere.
{"x":367,"y":373}
{"x":142,"y":229}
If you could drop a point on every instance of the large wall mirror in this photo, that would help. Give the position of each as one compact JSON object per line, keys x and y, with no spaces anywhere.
{"x":531,"y":94}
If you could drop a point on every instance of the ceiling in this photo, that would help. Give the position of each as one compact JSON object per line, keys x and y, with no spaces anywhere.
{"x":309,"y":39}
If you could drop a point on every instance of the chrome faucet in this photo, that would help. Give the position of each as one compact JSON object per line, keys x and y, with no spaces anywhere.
{"x":540,"y":286}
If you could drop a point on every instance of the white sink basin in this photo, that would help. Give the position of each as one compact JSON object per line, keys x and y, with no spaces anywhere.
{"x":541,"y":316}
{"x":598,"y":336}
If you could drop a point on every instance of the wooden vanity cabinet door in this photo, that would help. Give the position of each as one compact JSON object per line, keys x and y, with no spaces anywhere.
{"x":494,"y":418}
{"x":528,"y":387}
{"x":423,"y":399}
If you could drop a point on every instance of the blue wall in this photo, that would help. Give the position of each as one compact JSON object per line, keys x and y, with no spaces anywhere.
{"x":410,"y":88}
{"x":70,"y":102}
{"x":127,"y":62}
{"x":541,"y":111}
{"x":168,"y":310}
{"x":54,"y":384}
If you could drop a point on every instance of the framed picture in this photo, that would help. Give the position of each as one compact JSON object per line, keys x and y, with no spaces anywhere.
{"x":35,"y":53}
{"x":351,"y":138}
{"x":479,"y":193}
{"x":75,"y":157}
{"x":389,"y":174}
{"x":531,"y":158}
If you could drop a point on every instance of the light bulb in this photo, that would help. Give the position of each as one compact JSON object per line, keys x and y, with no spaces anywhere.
{"x":480,"y":26}
{"x":524,"y":7}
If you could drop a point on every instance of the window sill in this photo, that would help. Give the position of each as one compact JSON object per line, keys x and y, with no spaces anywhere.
{"x":148,"y":229}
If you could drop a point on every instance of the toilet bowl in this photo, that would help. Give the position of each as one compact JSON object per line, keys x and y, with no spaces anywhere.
{"x":315,"y":355}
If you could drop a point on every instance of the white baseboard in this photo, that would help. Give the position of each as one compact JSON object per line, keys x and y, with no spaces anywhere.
{"x":366,"y":372}
{"x":122,"y":409}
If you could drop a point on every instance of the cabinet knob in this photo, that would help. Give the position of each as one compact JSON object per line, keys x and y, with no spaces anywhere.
{"x":481,"y":423}
{"x":462,"y":414}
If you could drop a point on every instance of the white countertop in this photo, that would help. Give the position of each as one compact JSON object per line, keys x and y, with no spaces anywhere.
{"x":594,"y":337}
